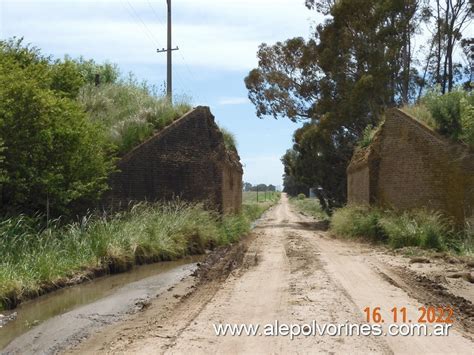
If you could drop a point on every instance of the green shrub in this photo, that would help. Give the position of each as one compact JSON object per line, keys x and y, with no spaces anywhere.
{"x":109,"y":73}
{"x":34,"y":257}
{"x":446,"y":112}
{"x":467,"y":120}
{"x":358,"y":221}
{"x":130,"y":113}
{"x":402,"y":231}
{"x":51,"y":150}
{"x":451,"y":114}
{"x":301,"y":196}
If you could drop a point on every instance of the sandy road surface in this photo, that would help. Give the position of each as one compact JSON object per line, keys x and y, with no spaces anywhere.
{"x":291,"y":272}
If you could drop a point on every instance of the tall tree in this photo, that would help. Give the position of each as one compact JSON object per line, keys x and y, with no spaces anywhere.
{"x":337,"y":82}
{"x":451,"y":18}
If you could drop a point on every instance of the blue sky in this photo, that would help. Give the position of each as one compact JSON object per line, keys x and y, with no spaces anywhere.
{"x":218,"y":42}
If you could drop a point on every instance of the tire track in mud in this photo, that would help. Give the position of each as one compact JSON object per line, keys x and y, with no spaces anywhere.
{"x":432,"y":293}
{"x":315,"y":296}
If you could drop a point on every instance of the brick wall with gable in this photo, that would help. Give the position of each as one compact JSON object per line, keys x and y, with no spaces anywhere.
{"x":409,"y":166}
{"x":185,"y":160}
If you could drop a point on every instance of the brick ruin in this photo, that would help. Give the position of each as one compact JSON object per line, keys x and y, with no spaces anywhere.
{"x":409,"y":166}
{"x":186,"y":160}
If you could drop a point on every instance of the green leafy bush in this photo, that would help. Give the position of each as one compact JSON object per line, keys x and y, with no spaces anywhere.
{"x":301,"y":196}
{"x":451,"y":114}
{"x":446,"y":112}
{"x":108,"y":72}
{"x":52,"y":153}
{"x":467,"y":120}
{"x":358,"y":221}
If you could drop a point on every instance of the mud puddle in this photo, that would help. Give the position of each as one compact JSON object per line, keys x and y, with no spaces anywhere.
{"x":132,"y":289}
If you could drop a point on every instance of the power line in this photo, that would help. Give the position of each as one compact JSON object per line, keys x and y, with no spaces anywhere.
{"x":145,"y":27}
{"x":156,"y":14}
{"x":183,"y":83}
{"x":191,"y":74}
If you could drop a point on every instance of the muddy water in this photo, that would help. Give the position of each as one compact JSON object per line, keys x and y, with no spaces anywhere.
{"x":33,"y":313}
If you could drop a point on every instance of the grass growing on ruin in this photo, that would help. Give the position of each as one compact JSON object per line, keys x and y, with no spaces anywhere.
{"x":130,"y":112}
{"x":33,"y":260}
{"x":418,"y":228}
{"x":309,"y":206}
{"x":451,"y":114}
{"x":229,"y":139}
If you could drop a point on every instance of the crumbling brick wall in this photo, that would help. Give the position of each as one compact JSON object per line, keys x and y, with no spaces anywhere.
{"x":410,"y":166}
{"x":186,"y":160}
{"x":231,"y":189}
{"x":357,"y":179}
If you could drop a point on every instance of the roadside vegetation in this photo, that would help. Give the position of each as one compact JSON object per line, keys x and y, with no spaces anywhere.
{"x":451,"y":114}
{"x":35,"y":260}
{"x":63,"y":124}
{"x":129,"y":111}
{"x":309,"y":206}
{"x":418,"y":228}
{"x":52,"y":155}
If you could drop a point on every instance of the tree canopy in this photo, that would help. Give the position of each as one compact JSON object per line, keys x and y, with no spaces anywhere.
{"x":358,"y":62}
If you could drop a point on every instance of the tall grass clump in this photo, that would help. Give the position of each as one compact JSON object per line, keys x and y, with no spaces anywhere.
{"x":130,"y":112}
{"x":35,"y":258}
{"x":358,"y":221}
{"x":367,"y":136}
{"x":229,"y":139}
{"x":466,"y":240}
{"x":419,"y":228}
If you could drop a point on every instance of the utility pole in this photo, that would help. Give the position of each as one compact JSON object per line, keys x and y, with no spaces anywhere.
{"x":168,"y":50}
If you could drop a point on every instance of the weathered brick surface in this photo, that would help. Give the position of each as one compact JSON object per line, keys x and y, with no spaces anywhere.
{"x":410,"y":166}
{"x":186,"y":160}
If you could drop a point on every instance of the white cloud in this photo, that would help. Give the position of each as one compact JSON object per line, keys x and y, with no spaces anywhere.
{"x":218,"y":42}
{"x":233,"y":100}
{"x":210,"y":34}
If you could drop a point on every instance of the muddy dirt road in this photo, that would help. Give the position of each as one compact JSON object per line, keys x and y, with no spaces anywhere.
{"x":291,"y":271}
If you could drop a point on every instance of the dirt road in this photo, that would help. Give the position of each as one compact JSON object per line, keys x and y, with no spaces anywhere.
{"x":293,"y":272}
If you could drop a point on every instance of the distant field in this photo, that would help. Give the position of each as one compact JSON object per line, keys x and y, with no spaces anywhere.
{"x":251,"y":196}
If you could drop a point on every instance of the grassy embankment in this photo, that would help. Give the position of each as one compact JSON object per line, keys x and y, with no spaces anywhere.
{"x":416,"y":228}
{"x":419,"y":228}
{"x":129,"y":112}
{"x":35,"y":261}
